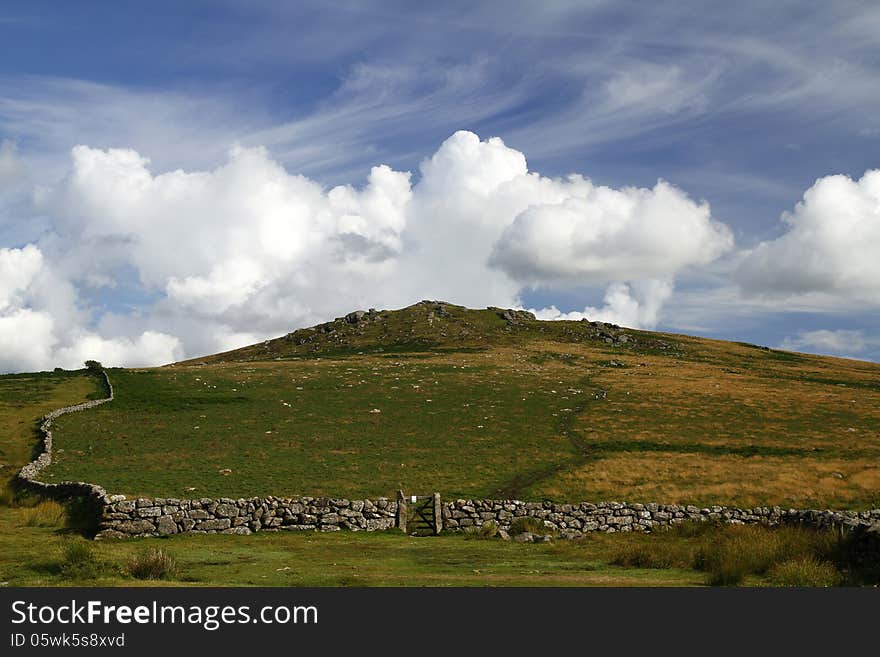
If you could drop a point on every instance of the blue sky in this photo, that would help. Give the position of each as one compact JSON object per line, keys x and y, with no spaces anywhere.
{"x":269,"y":106}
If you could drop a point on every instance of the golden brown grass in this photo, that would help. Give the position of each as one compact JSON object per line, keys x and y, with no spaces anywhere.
{"x":805,"y":571}
{"x":735,"y":426}
{"x":687,"y":401}
{"x":153,"y":563}
{"x":801,"y":482}
{"x":46,"y":513}
{"x":740,"y":554}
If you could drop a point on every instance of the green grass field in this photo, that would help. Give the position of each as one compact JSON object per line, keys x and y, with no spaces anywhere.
{"x":468,"y":404}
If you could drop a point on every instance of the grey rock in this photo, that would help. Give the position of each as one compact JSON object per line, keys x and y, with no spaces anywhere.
{"x":218,"y":524}
{"x":165,"y":526}
{"x":115,"y":516}
{"x":109,"y":534}
{"x":136,"y":527}
{"x":226,"y":510}
{"x":242,"y":531}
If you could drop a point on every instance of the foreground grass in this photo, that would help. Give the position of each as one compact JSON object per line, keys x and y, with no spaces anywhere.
{"x":733,"y":555}
{"x":38,"y":557}
{"x":750,"y":556}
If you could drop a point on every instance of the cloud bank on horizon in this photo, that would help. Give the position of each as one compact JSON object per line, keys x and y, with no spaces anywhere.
{"x":248,"y":250}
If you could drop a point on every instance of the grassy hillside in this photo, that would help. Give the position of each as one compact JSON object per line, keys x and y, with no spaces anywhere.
{"x":24,"y":398}
{"x":489,"y":403}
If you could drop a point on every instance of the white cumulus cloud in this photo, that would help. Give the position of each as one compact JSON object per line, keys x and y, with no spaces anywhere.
{"x":597,"y":233}
{"x":18,"y":268}
{"x":626,"y":304}
{"x":150,"y":348}
{"x":831,"y":245}
{"x":248,"y":250}
{"x":38,"y":328}
{"x":26,"y":340}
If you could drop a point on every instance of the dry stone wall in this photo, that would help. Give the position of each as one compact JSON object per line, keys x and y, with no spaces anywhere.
{"x":122,"y":518}
{"x":28,"y":475}
{"x":161,"y":517}
{"x":573,"y":520}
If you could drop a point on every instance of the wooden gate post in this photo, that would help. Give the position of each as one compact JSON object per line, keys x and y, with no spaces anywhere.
{"x":438,"y":514}
{"x":401,"y":511}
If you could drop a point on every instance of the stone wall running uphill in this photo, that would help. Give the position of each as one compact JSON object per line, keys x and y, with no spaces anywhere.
{"x":64,"y":490}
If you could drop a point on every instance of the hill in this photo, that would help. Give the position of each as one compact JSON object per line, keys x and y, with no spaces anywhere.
{"x":488,"y":403}
{"x":436,"y":327}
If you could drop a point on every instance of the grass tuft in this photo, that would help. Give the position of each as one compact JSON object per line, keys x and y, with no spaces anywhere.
{"x":805,"y":571}
{"x":529,"y":524}
{"x":79,"y":562}
{"x":47,"y":513}
{"x":154,"y":563}
{"x":731,"y":554}
{"x":737,"y":551}
{"x":7,"y":496}
{"x":643,"y":552}
{"x":488,"y":529}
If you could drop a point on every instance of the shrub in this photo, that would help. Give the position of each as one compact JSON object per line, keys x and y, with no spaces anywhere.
{"x":154,"y":563}
{"x":80,"y":562}
{"x":735,"y":551}
{"x":805,"y":571}
{"x":47,"y":513}
{"x":523,"y":524}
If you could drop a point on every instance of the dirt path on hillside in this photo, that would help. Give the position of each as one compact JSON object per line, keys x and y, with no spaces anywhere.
{"x":522,"y":482}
